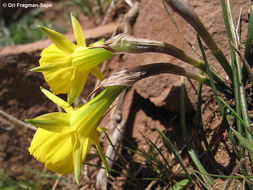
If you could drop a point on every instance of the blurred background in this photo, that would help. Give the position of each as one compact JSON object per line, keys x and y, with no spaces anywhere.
{"x":18,"y":25}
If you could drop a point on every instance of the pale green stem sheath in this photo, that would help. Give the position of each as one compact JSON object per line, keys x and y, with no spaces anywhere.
{"x":188,"y":13}
{"x":128,"y":77}
{"x":131,"y":44}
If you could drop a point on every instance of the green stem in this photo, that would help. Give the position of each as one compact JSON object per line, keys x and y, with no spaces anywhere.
{"x":241,"y":102}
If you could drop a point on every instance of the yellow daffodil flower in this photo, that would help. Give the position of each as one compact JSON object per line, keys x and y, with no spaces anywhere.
{"x":63,"y":139}
{"x":66,"y":65}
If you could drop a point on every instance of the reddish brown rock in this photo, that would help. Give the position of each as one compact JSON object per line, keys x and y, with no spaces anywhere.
{"x":154,"y":23}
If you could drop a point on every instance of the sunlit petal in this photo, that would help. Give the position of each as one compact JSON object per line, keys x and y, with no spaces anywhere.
{"x":95,"y":140}
{"x":97,"y":73}
{"x":53,"y":54}
{"x":78,"y":32}
{"x":54,"y":150}
{"x":59,"y":81}
{"x":57,"y":122}
{"x":77,"y":151}
{"x":99,"y":42}
{"x":76,"y":85}
{"x":66,"y":106}
{"x":61,"y":42}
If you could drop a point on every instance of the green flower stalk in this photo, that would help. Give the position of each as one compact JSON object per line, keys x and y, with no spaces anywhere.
{"x":63,"y":139}
{"x":127,"y":77}
{"x":130,"y":44}
{"x":66,"y":65}
{"x":125,"y":43}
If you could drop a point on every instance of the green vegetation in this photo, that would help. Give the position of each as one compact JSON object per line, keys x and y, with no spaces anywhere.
{"x":26,"y":30}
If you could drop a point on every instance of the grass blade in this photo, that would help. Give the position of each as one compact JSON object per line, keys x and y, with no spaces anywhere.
{"x":210,"y":76}
{"x":180,"y":185}
{"x":200,"y":180}
{"x":241,"y":102}
{"x":201,"y":127}
{"x":248,"y":45}
{"x":236,"y":115}
{"x":191,"y":152}
{"x":174,"y":151}
{"x":243,"y":140}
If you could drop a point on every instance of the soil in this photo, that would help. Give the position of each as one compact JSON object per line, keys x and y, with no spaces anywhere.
{"x":152,"y":103}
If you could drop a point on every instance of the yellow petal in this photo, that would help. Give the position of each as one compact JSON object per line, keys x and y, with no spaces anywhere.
{"x":97,"y":73}
{"x":86,"y":143}
{"x":52,"y":52}
{"x":87,"y":117}
{"x":51,"y":49}
{"x":86,"y":59}
{"x":76,"y":85}
{"x":54,"y":150}
{"x":64,"y":105}
{"x":101,"y":129}
{"x":99,"y":42}
{"x":77,"y":151}
{"x":59,"y":80}
{"x":78,"y":32}
{"x":57,"y":122}
{"x":49,"y":67}
{"x":81,"y":149}
{"x":95,"y":140}
{"x":61,"y":42}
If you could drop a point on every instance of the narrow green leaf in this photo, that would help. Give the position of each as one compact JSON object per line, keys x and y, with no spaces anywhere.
{"x":201,"y":127}
{"x":186,"y":136}
{"x":237,"y":116}
{"x":248,"y":45}
{"x":200,"y":180}
{"x":210,"y":75}
{"x":174,"y":151}
{"x":180,"y":185}
{"x":243,"y":140}
{"x":153,"y":145}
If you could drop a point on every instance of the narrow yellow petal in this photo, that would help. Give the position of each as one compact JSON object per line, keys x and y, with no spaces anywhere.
{"x":77,"y":84}
{"x":78,"y":32}
{"x":57,"y":122}
{"x":99,"y":42}
{"x":97,"y":73}
{"x":95,"y":139}
{"x":49,"y":67}
{"x":86,"y":147}
{"x":77,"y":151}
{"x":64,"y":105}
{"x":61,"y":42}
{"x":101,"y":129}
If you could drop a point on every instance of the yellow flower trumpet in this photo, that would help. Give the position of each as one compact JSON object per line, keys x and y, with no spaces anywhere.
{"x":66,"y":65}
{"x":63,"y":139}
